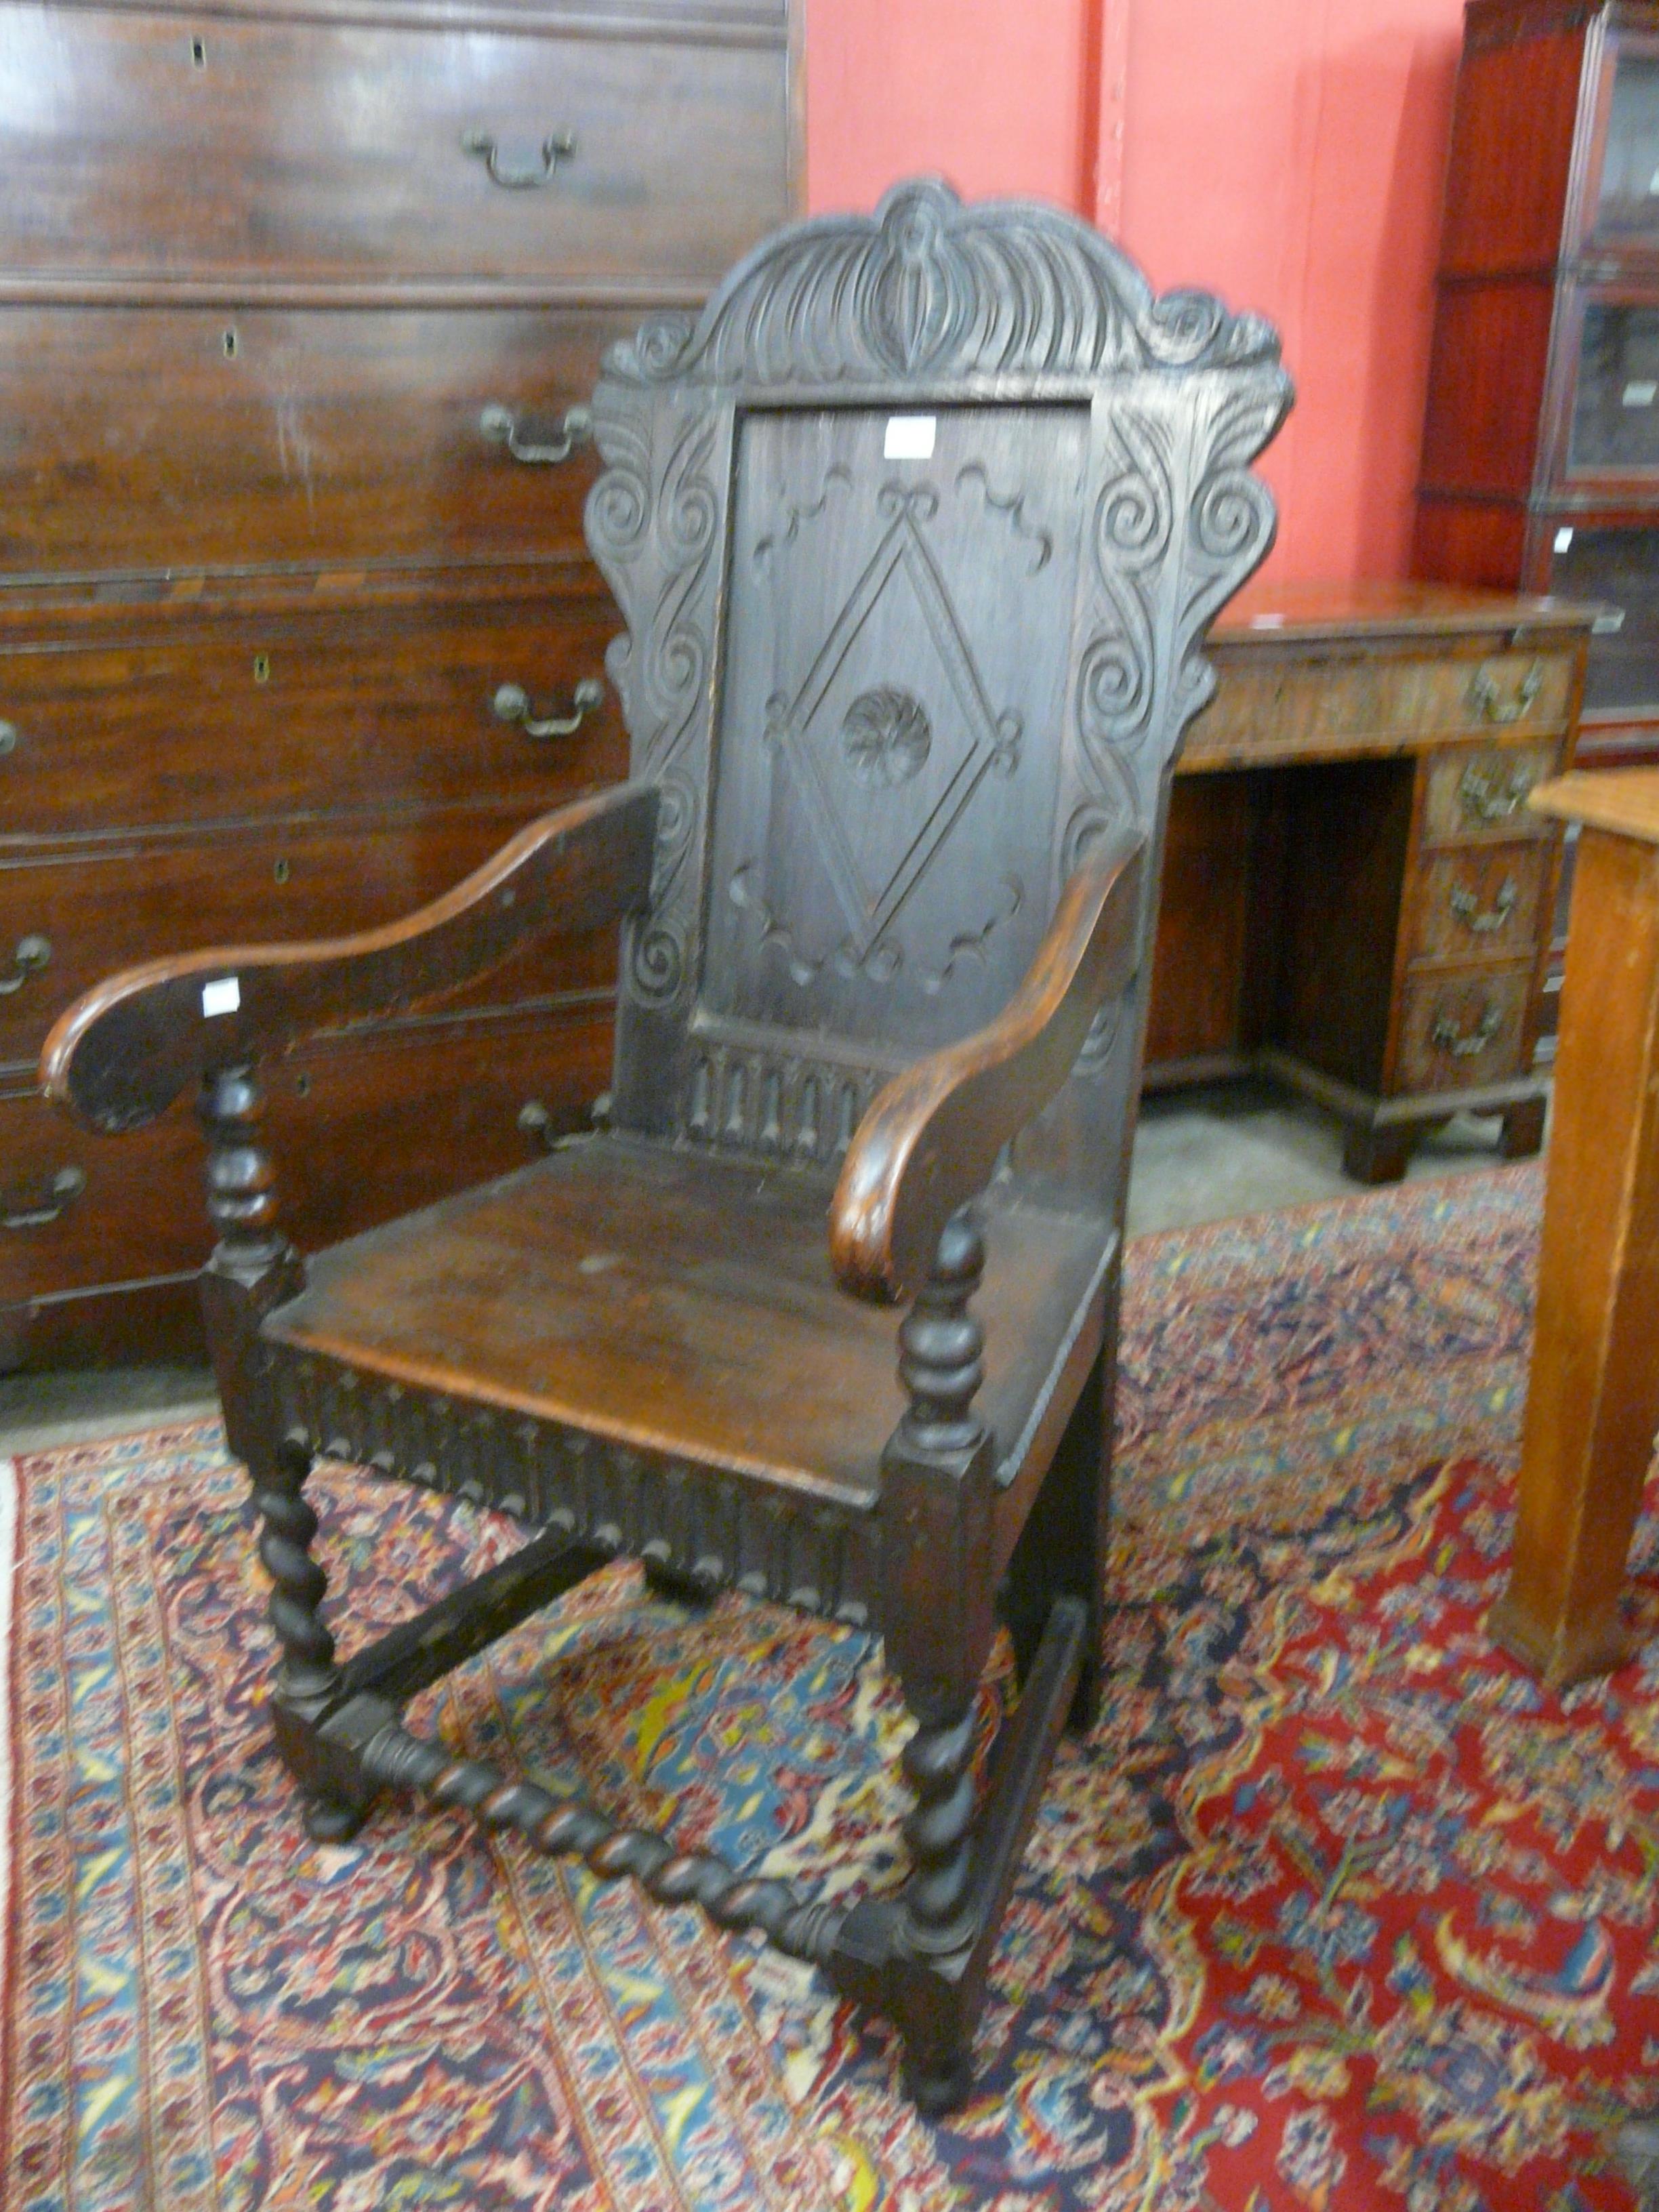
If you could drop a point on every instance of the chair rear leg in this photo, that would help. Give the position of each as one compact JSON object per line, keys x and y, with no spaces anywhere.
{"x":1064,"y":1548}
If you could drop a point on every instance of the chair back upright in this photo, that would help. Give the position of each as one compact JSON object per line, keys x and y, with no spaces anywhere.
{"x":917,"y":531}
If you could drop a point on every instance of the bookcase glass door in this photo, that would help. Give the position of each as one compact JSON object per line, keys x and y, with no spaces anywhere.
{"x":1627,"y":211}
{"x":1616,"y":569}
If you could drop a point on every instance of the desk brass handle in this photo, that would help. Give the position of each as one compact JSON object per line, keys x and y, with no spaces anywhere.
{"x":8,"y":738}
{"x":501,"y":425}
{"x":515,"y":176}
{"x":1466,"y":1044}
{"x":1484,"y":701}
{"x":32,"y":955}
{"x":512,"y":704}
{"x":1488,"y":796}
{"x":60,"y":1194}
{"x":1467,"y":908}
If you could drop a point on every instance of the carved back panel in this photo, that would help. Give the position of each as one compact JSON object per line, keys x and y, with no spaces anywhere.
{"x":917,"y":532}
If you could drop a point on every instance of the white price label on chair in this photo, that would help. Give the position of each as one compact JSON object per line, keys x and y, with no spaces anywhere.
{"x":222,"y":997}
{"x":909,"y":438}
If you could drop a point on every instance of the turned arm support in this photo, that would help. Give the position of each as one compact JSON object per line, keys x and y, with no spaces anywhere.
{"x":124,"y":1051}
{"x":931,"y":1140}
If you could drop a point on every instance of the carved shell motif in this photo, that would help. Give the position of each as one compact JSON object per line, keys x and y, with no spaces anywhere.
{"x":932,"y":288}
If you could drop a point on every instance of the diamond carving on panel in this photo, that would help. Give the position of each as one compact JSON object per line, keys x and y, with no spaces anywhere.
{"x":886,"y":768}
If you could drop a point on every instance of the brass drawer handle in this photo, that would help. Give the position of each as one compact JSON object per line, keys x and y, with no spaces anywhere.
{"x":32,"y":955}
{"x":1491,"y":796}
{"x":512,"y":704}
{"x":65,"y":1187}
{"x":8,"y":739}
{"x":537,"y":1123}
{"x":1466,"y":1044}
{"x":519,"y":177}
{"x":1467,"y":908}
{"x":1483,"y":699}
{"x":501,"y":425}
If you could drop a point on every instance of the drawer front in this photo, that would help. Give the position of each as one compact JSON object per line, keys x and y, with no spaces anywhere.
{"x":134,"y":437}
{"x":360,"y":1135}
{"x":1479,"y":795}
{"x":1458,"y":1031}
{"x":1316,"y":709}
{"x":95,"y":913}
{"x":158,"y":146}
{"x":1479,"y":905}
{"x":376,"y":708}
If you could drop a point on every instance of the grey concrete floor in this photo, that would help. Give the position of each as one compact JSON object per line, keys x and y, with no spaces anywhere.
{"x":1200,"y":1155}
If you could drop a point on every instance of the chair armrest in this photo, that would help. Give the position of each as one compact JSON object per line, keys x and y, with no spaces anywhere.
{"x":123,"y":1053}
{"x":931,"y":1139}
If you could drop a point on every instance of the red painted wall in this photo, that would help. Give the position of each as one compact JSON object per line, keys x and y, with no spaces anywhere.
{"x":1288,"y":153}
{"x":988,"y":93}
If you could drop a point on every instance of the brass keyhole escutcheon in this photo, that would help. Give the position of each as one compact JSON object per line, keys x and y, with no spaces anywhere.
{"x":230,"y":342}
{"x":199,"y":52}
{"x":281,"y":872}
{"x":262,"y":668}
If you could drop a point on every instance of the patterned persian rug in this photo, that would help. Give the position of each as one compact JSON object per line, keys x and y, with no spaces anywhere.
{"x":1336,"y":1909}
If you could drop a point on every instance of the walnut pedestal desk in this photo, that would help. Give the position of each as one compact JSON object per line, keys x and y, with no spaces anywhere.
{"x":1356,"y":899}
{"x":1593,"y":1400}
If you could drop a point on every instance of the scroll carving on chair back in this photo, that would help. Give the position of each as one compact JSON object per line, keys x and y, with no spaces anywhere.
{"x":916,"y":532}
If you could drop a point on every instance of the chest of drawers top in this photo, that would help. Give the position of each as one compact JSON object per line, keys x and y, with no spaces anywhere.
{"x":440,"y":151}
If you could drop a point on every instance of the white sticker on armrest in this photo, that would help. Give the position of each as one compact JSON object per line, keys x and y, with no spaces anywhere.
{"x":221,"y":998}
{"x":909,"y":438}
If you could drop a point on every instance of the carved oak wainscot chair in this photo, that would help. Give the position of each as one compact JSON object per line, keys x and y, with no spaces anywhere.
{"x":916,"y":532}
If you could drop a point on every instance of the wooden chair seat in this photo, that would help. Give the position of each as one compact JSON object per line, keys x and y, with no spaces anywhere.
{"x":683,"y":1306}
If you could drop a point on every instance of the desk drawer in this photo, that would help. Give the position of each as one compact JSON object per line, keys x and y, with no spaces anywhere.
{"x":373,"y":708}
{"x":95,"y":913}
{"x":1458,"y":1030}
{"x":1479,"y":905}
{"x":1317,"y":710}
{"x":361,"y":1134}
{"x":256,"y":151}
{"x":134,"y":437}
{"x":1478,"y":795}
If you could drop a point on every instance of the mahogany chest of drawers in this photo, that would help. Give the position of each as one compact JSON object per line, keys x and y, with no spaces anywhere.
{"x":1356,"y":897}
{"x":300,"y":302}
